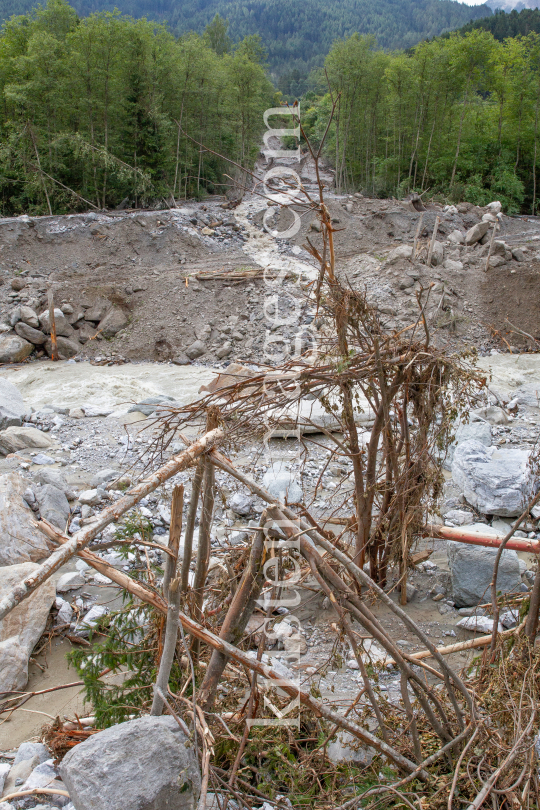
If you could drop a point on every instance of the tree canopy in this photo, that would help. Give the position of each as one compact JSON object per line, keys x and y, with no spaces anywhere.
{"x":95,"y":110}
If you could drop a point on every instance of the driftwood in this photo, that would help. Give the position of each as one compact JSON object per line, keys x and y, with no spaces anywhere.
{"x":148,"y":596}
{"x":78,"y":542}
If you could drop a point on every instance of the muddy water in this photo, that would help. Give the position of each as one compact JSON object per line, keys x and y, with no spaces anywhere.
{"x":69,"y":384}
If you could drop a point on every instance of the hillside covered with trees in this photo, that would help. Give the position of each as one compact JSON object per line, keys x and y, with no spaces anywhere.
{"x":503,"y":25}
{"x":296,"y":33}
{"x":94,"y":110}
{"x":458,"y":116}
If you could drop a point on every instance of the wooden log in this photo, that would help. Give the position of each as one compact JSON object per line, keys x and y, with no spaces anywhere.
{"x":432,"y":242}
{"x":461,"y":535}
{"x":175,"y":532}
{"x":291,"y":688}
{"x":52,"y":327}
{"x":471,"y":644}
{"x":78,"y":542}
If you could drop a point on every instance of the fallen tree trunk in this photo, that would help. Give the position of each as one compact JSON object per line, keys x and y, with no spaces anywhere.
{"x":230,"y":651}
{"x":112,"y":513}
{"x":488,"y":540}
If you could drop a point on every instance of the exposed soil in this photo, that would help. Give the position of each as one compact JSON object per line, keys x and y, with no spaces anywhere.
{"x":147,"y":263}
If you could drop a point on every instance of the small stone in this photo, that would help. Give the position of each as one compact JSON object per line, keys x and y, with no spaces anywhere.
{"x":28,"y":750}
{"x":12,"y":407}
{"x":53,"y":506}
{"x":103,"y":477}
{"x":241,"y":504}
{"x":224,"y":350}
{"x":518,"y":255}
{"x":90,"y":620}
{"x":399,"y":253}
{"x":92,"y":497}
{"x":76,"y":413}
{"x":456,"y":237}
{"x":207,"y":231}
{"x":197,"y":349}
{"x":41,"y":458}
{"x":475,"y":233}
{"x":98,"y":310}
{"x":18,"y":284}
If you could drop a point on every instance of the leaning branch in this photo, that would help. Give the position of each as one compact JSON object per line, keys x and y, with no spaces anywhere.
{"x":112,"y":513}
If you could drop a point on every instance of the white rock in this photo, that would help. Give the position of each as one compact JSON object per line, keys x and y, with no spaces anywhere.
{"x":478,"y":624}
{"x":4,"y":770}
{"x":471,"y":570}
{"x":398,"y":253}
{"x":457,"y":237}
{"x":495,"y":481}
{"x":19,"y":540}
{"x":21,"y":628}
{"x":90,"y":620}
{"x":453,"y":266}
{"x":475,"y":233}
{"x":164,"y":512}
{"x":346,"y":748}
{"x":65,"y":612}
{"x":494,"y":207}
{"x":90,"y":497}
{"x":70,"y":582}
{"x":14,"y":438}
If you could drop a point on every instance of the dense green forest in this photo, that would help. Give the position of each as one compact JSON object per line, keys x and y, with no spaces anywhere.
{"x":503,"y":25}
{"x":457,"y":115}
{"x":296,"y":33}
{"x":94,"y":110}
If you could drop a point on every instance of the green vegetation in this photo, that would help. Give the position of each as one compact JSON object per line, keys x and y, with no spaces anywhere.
{"x":93,"y":110}
{"x":504,"y":25}
{"x":296,"y":33}
{"x":458,"y":115}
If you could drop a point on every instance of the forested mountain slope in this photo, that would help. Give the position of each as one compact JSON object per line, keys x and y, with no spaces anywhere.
{"x":503,"y":25}
{"x":297,"y":33}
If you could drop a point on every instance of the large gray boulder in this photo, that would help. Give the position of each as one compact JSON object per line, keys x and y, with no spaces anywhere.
{"x":14,"y":349}
{"x":30,"y":334}
{"x":494,"y":480}
{"x":28,"y":316}
{"x":22,"y":628}
{"x":480,"y":431}
{"x":475,"y":233}
{"x":60,"y":321}
{"x":12,"y":407}
{"x":66,"y":348}
{"x":113,"y":322}
{"x":471,"y":570}
{"x":19,"y":541}
{"x":14,"y":438}
{"x":144,"y":764}
{"x":53,"y":505}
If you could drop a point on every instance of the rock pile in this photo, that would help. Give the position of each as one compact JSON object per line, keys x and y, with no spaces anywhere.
{"x":74,"y":327}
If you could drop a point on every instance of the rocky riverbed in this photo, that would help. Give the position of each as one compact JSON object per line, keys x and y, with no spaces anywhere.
{"x":150,"y":306}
